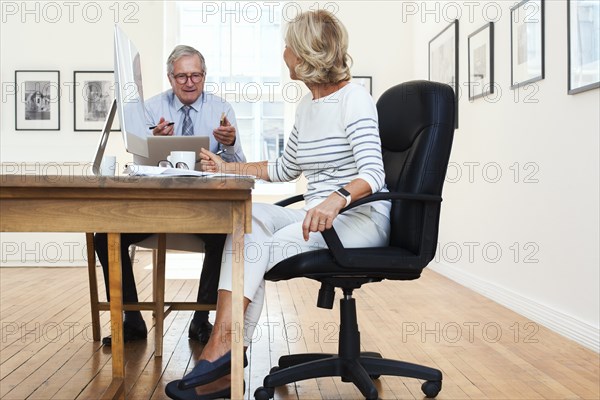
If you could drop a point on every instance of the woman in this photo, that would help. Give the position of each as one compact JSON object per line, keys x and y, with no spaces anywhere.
{"x":335,"y":144}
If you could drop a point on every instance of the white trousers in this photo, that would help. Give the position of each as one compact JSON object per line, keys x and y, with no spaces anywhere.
{"x":277,"y":235}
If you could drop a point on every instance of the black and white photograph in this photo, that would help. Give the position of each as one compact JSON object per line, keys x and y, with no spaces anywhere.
{"x":443,"y":59}
{"x":481,"y":62}
{"x":584,"y":45}
{"x":93,"y":96}
{"x":364,"y":81}
{"x":527,"y":42}
{"x":37,"y":103}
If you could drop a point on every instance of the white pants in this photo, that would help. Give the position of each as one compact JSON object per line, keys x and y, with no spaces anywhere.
{"x":277,"y":235}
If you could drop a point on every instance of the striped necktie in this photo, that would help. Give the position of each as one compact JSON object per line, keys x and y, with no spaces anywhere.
{"x":188,"y":128}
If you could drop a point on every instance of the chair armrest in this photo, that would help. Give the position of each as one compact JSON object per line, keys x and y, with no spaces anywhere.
{"x":370,"y":198}
{"x":290,"y":200}
{"x":333,"y":240}
{"x":426,"y":198}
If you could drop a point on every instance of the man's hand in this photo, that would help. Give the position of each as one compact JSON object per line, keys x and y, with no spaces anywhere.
{"x":225,"y":134}
{"x":164,"y":128}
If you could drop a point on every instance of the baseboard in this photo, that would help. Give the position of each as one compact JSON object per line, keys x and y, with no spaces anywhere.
{"x":574,"y":329}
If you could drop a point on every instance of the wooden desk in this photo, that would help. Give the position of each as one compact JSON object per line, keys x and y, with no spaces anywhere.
{"x":53,"y":203}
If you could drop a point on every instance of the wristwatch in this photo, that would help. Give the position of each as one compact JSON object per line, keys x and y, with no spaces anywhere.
{"x":345,"y":194}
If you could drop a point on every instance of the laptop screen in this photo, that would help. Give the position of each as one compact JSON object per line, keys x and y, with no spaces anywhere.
{"x":159,"y":147}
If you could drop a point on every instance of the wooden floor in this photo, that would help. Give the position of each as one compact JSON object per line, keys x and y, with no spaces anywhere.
{"x":483,"y":349}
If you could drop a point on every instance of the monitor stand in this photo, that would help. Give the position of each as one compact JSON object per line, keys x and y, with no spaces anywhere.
{"x":104,"y":138}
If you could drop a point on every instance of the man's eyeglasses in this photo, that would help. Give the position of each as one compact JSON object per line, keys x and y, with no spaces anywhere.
{"x":168,"y":164}
{"x":182,"y":79}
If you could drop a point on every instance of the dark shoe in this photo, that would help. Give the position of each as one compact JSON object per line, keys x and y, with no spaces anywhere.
{"x":131,"y":332}
{"x":200,"y":331}
{"x":205,"y":371}
{"x":172,"y":390}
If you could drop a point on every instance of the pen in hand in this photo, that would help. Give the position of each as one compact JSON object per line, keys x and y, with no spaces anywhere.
{"x":154,"y":127}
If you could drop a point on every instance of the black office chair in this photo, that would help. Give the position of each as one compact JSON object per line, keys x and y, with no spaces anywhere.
{"x":416,"y":125}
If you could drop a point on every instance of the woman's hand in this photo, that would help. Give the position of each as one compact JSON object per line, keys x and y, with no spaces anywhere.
{"x":321,"y":217}
{"x":210,"y":162}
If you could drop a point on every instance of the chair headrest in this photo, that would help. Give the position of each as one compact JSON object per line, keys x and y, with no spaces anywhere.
{"x":409,"y":108}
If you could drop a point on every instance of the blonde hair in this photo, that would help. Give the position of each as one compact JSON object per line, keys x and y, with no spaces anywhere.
{"x":320,"y":41}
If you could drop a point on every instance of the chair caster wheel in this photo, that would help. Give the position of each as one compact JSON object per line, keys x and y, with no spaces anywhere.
{"x":374,"y":376}
{"x":263,"y":393}
{"x":431,"y":388}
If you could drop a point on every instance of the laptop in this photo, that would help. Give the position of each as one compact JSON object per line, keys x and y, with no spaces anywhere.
{"x":159,"y":147}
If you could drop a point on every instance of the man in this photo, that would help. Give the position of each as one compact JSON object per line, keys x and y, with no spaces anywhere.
{"x":183,"y":110}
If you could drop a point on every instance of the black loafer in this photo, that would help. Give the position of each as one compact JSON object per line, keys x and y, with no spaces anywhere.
{"x":205,"y":371}
{"x":131,"y":332}
{"x":172,"y":391}
{"x":200,"y":331}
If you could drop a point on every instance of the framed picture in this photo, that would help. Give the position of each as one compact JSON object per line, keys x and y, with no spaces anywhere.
{"x":365,"y":81}
{"x":583,"y":22}
{"x":37,"y":103}
{"x":526,"y":43}
{"x":443,"y":59}
{"x":481,"y":61}
{"x":93,"y":94}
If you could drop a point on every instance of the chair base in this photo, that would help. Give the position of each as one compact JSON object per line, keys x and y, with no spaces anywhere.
{"x":360,"y":372}
{"x":360,"y":368}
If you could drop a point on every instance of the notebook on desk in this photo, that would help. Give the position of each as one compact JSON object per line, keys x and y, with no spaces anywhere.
{"x":159,"y":147}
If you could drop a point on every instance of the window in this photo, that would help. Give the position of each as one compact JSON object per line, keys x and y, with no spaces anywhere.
{"x":242,"y":43}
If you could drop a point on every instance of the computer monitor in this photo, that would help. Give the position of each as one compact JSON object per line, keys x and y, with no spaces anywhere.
{"x":129,"y":95}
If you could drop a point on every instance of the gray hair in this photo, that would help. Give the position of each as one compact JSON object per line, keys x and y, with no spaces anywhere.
{"x":180,"y":51}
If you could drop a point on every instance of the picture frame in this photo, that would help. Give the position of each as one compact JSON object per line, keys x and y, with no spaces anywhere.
{"x":443,"y":60}
{"x":527,"y":49}
{"x":364,"y":81}
{"x":37,"y":103}
{"x":93,"y":94}
{"x":583,"y":21}
{"x":481,"y":61}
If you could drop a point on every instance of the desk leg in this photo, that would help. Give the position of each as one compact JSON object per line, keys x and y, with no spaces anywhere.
{"x":159,"y":299}
{"x":237,"y":305}
{"x":91,"y":255}
{"x":116,"y":308}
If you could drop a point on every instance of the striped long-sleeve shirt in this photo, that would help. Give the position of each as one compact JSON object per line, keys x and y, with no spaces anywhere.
{"x":335,"y":140}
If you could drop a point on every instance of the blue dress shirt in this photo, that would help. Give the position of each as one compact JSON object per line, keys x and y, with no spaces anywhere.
{"x":205,"y":114}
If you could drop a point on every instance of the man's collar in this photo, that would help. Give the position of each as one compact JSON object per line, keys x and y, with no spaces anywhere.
{"x":197,"y":105}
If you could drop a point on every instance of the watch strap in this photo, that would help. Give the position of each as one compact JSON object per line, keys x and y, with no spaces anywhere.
{"x":345,"y":195}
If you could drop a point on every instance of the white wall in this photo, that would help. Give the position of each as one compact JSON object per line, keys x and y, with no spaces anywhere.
{"x":556,"y":217}
{"x":554,"y":220}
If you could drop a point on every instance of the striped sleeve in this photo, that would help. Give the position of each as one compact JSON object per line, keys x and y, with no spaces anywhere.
{"x":286,"y":168}
{"x":362,"y":131}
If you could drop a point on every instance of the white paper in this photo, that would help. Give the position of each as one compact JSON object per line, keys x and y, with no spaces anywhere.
{"x":147,"y":170}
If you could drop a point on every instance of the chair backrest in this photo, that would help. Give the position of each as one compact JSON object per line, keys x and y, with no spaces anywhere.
{"x":416,"y":125}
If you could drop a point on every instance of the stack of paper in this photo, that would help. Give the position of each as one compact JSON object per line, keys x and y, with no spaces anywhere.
{"x":147,"y":170}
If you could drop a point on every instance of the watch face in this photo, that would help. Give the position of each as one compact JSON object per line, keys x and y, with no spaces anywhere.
{"x":344,"y":192}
